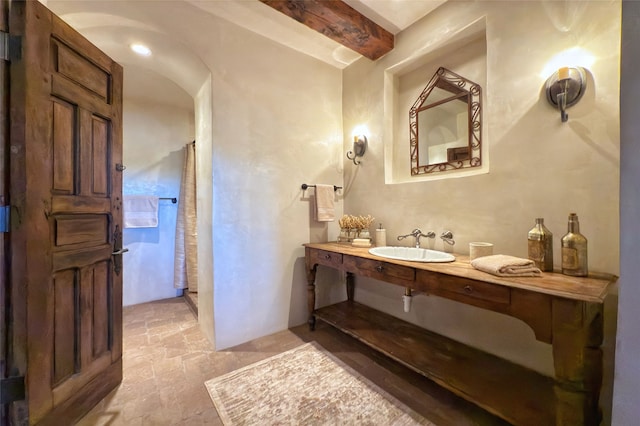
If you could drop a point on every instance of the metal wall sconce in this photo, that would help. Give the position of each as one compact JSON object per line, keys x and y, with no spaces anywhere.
{"x":359,"y":148}
{"x":565,"y":87}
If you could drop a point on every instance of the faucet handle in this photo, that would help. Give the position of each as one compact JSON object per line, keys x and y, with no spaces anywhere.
{"x":447,"y":237}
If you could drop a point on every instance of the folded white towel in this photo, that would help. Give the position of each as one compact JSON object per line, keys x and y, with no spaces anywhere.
{"x":324,"y":199}
{"x":361,"y":242}
{"x":503,"y":265}
{"x":140,"y":211}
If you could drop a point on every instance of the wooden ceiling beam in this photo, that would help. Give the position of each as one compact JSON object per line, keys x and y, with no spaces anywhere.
{"x":340,"y":22}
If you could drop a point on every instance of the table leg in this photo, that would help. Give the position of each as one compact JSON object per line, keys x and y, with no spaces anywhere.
{"x":350,"y":286}
{"x":311,"y":295}
{"x":577,"y":358}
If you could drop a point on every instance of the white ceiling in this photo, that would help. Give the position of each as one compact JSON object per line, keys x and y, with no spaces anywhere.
{"x":394,"y":15}
{"x":171,"y":27}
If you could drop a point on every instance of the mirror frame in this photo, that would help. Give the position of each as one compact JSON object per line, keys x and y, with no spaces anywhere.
{"x":459,"y":87}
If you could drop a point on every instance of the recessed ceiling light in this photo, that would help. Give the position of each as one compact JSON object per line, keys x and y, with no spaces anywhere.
{"x":141,"y":49}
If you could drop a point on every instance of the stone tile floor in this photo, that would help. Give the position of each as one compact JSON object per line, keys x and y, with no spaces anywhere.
{"x":167,"y":359}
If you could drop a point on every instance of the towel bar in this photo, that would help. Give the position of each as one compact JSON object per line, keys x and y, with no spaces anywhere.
{"x":305,"y":186}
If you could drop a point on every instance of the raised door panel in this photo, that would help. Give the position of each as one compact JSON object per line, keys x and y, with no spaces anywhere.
{"x":101,"y":312}
{"x":99,"y":156}
{"x":76,"y":231}
{"x":64,"y":134}
{"x":65,"y":320}
{"x":81,"y":71}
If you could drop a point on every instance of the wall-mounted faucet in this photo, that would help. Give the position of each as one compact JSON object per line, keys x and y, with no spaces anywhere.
{"x":416,"y":233}
{"x":447,"y":237}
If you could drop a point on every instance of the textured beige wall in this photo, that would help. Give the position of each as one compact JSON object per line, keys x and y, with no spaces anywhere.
{"x":539,"y":166}
{"x":276,"y":122}
{"x":204,"y":195}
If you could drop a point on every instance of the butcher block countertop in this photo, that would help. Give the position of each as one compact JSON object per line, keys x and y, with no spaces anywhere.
{"x":593,"y":288}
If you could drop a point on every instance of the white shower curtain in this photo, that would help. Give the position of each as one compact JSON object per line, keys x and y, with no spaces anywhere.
{"x":185,"y":273}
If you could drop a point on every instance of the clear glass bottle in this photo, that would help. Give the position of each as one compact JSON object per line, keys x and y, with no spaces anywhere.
{"x":574,"y":250}
{"x":540,"y":246}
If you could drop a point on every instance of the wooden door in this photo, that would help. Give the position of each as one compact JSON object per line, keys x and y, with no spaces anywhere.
{"x":66,"y":221}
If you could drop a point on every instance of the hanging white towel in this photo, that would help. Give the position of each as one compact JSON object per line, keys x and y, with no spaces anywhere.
{"x":140,"y":211}
{"x":324,"y":198}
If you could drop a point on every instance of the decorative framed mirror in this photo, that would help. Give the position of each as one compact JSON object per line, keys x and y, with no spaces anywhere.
{"x":445,"y":125}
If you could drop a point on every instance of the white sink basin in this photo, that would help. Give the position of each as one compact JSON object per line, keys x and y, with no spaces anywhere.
{"x":412,"y":254}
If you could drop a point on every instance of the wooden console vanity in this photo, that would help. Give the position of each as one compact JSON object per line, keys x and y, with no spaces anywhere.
{"x":566,"y":312}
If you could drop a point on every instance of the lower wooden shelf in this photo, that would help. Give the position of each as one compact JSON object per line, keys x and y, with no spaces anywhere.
{"x":517,"y":394}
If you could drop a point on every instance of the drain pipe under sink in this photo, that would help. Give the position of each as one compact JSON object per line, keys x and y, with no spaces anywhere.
{"x":407,"y":299}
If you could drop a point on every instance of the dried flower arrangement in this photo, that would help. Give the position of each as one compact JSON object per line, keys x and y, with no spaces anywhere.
{"x":355,"y":222}
{"x":354,"y":226}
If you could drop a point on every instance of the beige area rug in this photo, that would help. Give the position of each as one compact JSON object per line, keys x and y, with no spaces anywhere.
{"x":305,"y":386}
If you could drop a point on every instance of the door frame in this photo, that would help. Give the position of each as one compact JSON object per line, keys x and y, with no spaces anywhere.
{"x":5,"y":307}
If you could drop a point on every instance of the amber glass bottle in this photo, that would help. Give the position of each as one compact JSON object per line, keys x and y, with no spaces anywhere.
{"x":574,"y":250}
{"x":540,"y":245}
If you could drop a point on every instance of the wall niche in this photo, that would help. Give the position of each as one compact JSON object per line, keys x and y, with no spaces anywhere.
{"x":464,"y":53}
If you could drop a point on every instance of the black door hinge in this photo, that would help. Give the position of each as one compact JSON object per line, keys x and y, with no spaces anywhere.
{"x":11,"y":389}
{"x":10,"y":46}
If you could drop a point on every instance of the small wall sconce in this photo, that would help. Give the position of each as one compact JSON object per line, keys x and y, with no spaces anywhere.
{"x":359,"y":148}
{"x":565,"y":88}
